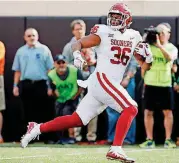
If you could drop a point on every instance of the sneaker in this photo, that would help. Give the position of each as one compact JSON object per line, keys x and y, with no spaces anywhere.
{"x":117,"y":153}
{"x":33,"y":131}
{"x":169,"y":144}
{"x":148,"y":144}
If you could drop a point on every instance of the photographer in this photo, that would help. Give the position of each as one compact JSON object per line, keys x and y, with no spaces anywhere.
{"x":158,"y":85}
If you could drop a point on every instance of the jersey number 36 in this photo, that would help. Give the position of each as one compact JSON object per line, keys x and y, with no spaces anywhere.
{"x":121,"y":56}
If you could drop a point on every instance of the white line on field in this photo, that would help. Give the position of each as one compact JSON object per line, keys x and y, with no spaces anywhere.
{"x":127,"y":150}
{"x":145,"y":150}
{"x":23,"y":157}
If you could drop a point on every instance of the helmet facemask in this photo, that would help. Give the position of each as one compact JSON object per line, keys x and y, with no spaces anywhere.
{"x":116,"y":21}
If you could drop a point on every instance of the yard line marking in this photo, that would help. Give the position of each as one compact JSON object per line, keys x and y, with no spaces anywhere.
{"x":144,"y":150}
{"x":23,"y":157}
{"x":127,"y":150}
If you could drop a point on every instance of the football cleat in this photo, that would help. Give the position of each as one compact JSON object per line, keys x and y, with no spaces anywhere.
{"x":33,"y":132}
{"x":117,"y":153}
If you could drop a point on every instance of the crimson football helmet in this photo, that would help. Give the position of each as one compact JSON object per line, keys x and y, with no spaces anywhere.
{"x":119,"y":17}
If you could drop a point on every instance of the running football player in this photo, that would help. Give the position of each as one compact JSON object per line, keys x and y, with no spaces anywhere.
{"x":115,"y":44}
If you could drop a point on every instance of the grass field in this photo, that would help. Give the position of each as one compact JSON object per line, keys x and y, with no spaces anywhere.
{"x":40,"y":153}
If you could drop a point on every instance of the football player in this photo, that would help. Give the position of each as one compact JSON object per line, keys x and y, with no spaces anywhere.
{"x":115,"y":44}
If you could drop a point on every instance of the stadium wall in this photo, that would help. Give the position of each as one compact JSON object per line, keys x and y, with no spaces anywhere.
{"x":84,"y":8}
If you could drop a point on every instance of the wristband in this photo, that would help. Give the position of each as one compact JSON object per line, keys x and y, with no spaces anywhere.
{"x":77,"y":54}
{"x":15,"y":85}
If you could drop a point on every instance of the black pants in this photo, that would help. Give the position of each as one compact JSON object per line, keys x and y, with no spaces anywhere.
{"x":66,"y":108}
{"x":62,"y":109}
{"x":37,"y":106}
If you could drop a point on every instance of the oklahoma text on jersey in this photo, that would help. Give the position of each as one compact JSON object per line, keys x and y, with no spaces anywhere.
{"x":121,"y":43}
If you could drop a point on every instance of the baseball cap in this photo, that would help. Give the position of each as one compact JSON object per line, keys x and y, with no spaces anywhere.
{"x":60,"y":57}
{"x":163,"y":27}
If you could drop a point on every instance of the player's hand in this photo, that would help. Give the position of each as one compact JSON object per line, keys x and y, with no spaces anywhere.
{"x":49,"y":92}
{"x":125,"y":82}
{"x":79,"y":62}
{"x":16,"y":91}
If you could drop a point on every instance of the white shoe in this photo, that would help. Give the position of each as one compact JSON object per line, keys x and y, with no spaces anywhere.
{"x":33,"y":131}
{"x":117,"y":153}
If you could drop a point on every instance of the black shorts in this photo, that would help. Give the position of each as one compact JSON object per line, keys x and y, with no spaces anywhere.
{"x":158,"y":98}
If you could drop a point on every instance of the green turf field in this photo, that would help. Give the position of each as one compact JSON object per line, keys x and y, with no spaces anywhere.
{"x":39,"y":153}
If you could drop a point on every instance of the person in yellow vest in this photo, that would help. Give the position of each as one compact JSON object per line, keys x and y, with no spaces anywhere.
{"x":63,"y":83}
{"x":2,"y":95}
{"x":158,"y":86}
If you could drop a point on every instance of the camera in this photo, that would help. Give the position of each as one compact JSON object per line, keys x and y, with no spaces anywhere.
{"x":150,"y":35}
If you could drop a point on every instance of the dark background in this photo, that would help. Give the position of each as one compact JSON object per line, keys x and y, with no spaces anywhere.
{"x":55,"y":32}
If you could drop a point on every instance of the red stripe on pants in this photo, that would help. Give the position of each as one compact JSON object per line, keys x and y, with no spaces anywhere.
{"x":109,"y":92}
{"x":116,"y":90}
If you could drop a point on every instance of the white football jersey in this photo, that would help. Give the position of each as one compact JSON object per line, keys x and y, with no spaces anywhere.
{"x":115,"y":50}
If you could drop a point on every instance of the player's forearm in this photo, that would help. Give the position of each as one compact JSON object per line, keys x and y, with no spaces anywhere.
{"x":146,"y":66}
{"x":144,"y":63}
{"x":17,"y":76}
{"x":130,"y":74}
{"x":143,"y":73}
{"x":132,"y":68}
{"x":86,"y":42}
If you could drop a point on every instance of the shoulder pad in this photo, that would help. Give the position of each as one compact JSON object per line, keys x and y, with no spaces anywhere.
{"x":99,"y":28}
{"x":136,"y":34}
